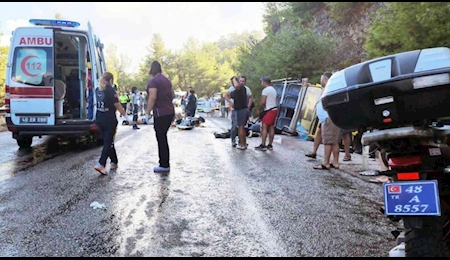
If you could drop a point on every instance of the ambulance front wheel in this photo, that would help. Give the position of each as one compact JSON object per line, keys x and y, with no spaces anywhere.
{"x":24,"y":142}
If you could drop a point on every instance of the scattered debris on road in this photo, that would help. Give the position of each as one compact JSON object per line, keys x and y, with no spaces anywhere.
{"x":96,"y":205}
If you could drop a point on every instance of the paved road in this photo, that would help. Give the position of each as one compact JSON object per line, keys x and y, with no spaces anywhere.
{"x":217,"y":201}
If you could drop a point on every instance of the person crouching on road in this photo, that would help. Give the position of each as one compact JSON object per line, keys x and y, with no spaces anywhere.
{"x":106,"y":120}
{"x":269,"y":114}
{"x":135,"y":106}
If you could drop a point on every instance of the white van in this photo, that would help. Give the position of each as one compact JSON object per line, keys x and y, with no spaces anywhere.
{"x":47,"y":80}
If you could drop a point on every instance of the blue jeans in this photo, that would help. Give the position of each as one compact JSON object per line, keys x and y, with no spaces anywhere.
{"x":233,"y":130}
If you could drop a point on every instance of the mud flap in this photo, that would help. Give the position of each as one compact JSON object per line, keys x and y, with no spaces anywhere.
{"x":413,"y":222}
{"x":417,"y":222}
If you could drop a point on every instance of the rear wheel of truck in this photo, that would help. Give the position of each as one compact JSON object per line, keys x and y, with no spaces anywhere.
{"x":24,"y":142}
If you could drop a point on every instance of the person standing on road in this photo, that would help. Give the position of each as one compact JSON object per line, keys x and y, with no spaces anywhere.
{"x":243,"y":82}
{"x":129,"y":109}
{"x":207,"y":108}
{"x":318,"y":133}
{"x":213,"y":106}
{"x":135,"y":106}
{"x":123,"y":101}
{"x":269,"y":114}
{"x":223,"y":107}
{"x":192,"y":104}
{"x":239,"y":97}
{"x":331,"y":134}
{"x":237,"y":83}
{"x":184,"y":101}
{"x":141,"y":104}
{"x":106,"y":120}
{"x":160,"y":96}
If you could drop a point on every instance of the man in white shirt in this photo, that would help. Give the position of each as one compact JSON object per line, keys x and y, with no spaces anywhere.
{"x":269,"y":114}
{"x":233,"y":130}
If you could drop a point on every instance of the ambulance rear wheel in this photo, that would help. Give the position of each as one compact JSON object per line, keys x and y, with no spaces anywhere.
{"x":24,"y":142}
{"x":99,"y":141}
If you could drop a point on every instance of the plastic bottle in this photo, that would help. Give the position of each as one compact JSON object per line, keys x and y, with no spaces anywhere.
{"x":398,"y":251}
{"x":365,"y":158}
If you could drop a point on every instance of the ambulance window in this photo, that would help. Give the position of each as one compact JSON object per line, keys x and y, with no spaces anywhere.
{"x":30,"y":64}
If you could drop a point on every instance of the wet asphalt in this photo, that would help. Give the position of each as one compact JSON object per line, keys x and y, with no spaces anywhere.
{"x":216,"y":201}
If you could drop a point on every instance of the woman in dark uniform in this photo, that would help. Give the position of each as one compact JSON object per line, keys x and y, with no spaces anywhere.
{"x":106,"y":120}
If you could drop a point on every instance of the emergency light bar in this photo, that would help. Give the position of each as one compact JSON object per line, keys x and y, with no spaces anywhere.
{"x":61,"y":23}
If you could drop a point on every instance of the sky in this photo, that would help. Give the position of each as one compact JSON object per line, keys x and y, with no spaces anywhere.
{"x":130,"y":25}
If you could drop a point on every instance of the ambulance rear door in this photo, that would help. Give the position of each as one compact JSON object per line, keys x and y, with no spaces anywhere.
{"x":95,"y":64}
{"x":31,"y":77}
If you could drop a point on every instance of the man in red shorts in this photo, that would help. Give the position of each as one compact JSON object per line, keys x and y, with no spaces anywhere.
{"x":269,"y":114}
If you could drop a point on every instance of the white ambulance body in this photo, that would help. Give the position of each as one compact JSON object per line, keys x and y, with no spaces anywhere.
{"x":47,"y":80}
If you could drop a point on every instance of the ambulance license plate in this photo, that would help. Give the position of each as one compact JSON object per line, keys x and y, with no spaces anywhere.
{"x":33,"y":120}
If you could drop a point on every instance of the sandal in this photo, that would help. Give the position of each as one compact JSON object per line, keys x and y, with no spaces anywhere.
{"x":334,"y":167}
{"x":381,"y":179}
{"x":370,"y":173}
{"x":321,"y":167}
{"x":311,"y":155}
{"x":346,"y":159}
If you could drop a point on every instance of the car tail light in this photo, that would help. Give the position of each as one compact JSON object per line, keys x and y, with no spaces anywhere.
{"x":408,"y":176}
{"x":12,"y":128}
{"x":405,"y":161}
{"x":7,"y":100}
{"x":94,"y":128}
{"x":398,"y":163}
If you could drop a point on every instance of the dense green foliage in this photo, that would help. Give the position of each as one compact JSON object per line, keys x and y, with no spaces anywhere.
{"x":409,"y":26}
{"x":342,"y":11}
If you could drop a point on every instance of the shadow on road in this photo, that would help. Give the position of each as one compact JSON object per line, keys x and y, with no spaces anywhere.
{"x":164,"y":189}
{"x":50,"y":148}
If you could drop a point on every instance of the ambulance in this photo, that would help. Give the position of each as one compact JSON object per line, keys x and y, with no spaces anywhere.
{"x":50,"y":67}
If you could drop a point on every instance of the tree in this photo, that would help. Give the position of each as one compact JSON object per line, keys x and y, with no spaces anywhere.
{"x":3,"y":60}
{"x":117,"y":65}
{"x":230,"y":41}
{"x":58,"y":16}
{"x":206,"y":67}
{"x":408,"y":26}
{"x":341,"y":11}
{"x":157,"y":52}
{"x":291,"y":52}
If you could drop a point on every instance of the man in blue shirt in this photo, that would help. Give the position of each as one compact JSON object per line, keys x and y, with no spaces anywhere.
{"x":318,"y":133}
{"x":331,"y":134}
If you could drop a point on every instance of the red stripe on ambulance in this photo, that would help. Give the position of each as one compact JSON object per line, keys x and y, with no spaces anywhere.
{"x":31,"y":92}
